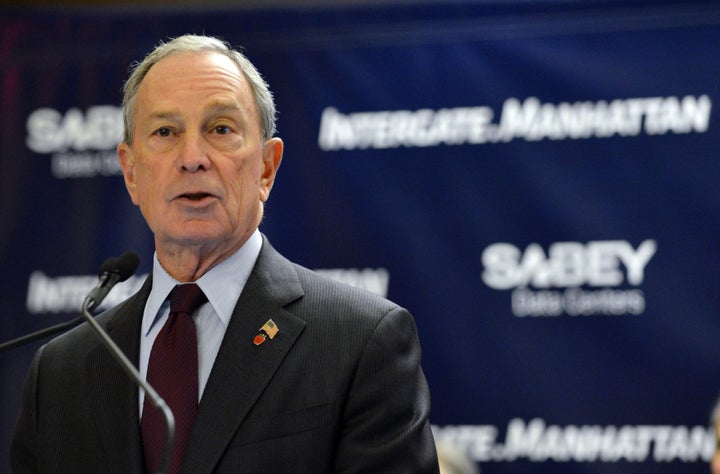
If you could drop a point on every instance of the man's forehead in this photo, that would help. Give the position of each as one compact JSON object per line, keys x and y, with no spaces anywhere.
{"x":211,"y":109}
{"x":195,"y":70}
{"x":214,"y":82}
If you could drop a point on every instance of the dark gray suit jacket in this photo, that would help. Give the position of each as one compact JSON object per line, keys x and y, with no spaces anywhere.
{"x":339,"y":389}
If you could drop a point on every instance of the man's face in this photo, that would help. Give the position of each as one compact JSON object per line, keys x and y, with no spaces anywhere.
{"x":197,"y":167}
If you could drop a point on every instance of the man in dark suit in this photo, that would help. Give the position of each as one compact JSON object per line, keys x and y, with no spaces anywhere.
{"x":295,"y":373}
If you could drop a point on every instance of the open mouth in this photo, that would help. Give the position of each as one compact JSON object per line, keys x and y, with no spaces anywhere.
{"x":195,"y":196}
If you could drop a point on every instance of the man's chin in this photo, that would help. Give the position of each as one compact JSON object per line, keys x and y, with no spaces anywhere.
{"x":196,"y":235}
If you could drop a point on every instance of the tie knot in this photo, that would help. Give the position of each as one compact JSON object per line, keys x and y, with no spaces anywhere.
{"x":186,"y":298}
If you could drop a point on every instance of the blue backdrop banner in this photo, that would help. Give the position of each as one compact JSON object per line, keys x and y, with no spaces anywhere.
{"x":536,"y":181}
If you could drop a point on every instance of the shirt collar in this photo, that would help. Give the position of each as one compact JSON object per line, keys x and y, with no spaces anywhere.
{"x":222,"y":284}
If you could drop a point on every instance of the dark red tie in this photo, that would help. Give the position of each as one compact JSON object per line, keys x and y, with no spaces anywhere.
{"x":173,"y":373}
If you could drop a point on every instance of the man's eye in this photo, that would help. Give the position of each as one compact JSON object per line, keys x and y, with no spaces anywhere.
{"x":222,"y":129}
{"x":163,"y":132}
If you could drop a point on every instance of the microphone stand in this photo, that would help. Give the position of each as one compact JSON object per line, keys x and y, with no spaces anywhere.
{"x":111,"y":272}
{"x":137,"y":378}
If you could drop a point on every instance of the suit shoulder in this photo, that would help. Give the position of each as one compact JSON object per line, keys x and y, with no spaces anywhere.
{"x":82,"y":338}
{"x":337,"y":281}
{"x":333,"y":296}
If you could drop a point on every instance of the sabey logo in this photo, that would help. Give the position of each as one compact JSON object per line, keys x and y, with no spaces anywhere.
{"x":573,"y":278}
{"x":81,"y":144}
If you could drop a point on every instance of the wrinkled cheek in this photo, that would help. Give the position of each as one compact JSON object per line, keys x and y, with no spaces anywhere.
{"x":149,"y":207}
{"x":147,"y":214}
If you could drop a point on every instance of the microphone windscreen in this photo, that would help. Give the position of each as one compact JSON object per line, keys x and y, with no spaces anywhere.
{"x":124,"y":266}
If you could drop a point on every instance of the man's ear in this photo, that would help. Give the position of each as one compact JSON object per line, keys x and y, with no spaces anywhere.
{"x":272,"y":152}
{"x":127,"y":165}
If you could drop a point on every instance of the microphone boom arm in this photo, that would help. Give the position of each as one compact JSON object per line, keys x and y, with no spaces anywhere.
{"x":20,"y":341}
{"x":112,"y":271}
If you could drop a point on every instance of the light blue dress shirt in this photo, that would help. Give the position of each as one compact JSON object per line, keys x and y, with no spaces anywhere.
{"x":222,"y":285}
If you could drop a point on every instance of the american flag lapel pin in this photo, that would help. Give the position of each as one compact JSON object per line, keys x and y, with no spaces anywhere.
{"x":269,"y":329}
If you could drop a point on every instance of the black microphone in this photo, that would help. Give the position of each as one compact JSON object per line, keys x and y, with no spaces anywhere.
{"x":111,"y":272}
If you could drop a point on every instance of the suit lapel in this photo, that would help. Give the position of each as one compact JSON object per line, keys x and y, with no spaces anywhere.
{"x":243,"y":369}
{"x":114,"y":403}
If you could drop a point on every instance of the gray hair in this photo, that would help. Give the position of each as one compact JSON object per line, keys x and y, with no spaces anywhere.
{"x":194,"y":44}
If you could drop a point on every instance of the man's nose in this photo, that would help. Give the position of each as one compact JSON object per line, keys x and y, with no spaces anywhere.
{"x":194,"y":154}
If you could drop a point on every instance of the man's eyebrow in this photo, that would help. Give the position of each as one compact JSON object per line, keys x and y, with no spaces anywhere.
{"x":164,"y":115}
{"x":223,"y":107}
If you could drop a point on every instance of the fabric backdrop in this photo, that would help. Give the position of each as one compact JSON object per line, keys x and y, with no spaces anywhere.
{"x":535,"y":181}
